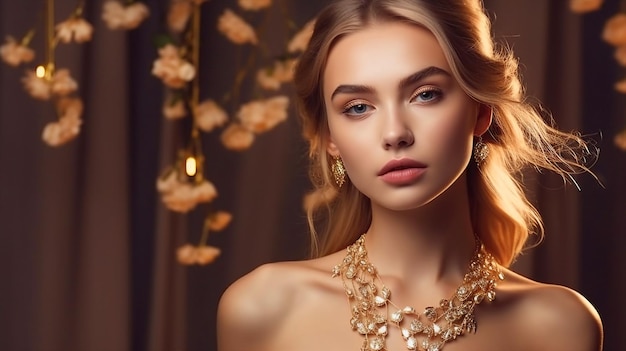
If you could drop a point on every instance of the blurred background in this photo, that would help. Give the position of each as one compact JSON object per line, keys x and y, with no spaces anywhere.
{"x":88,"y":249}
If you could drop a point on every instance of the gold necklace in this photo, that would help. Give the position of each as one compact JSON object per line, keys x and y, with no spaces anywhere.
{"x":427,"y":331}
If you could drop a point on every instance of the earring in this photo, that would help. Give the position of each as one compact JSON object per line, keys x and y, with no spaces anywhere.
{"x":338,"y":170}
{"x":481,"y":151}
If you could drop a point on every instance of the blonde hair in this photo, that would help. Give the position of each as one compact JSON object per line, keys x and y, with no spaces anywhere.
{"x":519,"y":136}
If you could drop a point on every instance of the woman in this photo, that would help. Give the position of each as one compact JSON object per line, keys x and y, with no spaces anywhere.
{"x":418,"y":130}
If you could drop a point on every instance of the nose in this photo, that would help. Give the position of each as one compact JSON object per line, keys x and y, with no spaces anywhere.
{"x":396,"y":132}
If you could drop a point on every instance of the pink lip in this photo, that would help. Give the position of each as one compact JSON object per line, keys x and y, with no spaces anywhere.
{"x":402,"y":171}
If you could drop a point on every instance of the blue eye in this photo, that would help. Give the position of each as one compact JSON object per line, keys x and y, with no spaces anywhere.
{"x":356,"y":109}
{"x":427,"y":95}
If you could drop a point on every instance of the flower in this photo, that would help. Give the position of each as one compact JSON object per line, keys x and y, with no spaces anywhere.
{"x":300,"y":41}
{"x":172,"y":69}
{"x":178,"y":15}
{"x":68,"y":125}
{"x":620,"y":86}
{"x":236,"y":29}
{"x":582,"y":6}
{"x":254,"y":5}
{"x":208,"y":115}
{"x":118,"y":16}
{"x":201,"y":255}
{"x":219,"y":220}
{"x":14,"y":53}
{"x":174,"y":108}
{"x":183,"y":196}
{"x":62,"y":83}
{"x":37,"y":87}
{"x":262,"y":115}
{"x":281,"y":72}
{"x":614,"y":31}
{"x":236,"y":137}
{"x":76,"y":28}
{"x":620,"y":140}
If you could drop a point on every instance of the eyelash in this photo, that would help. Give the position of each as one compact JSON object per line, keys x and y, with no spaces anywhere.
{"x":427,"y":89}
{"x":351,"y":105}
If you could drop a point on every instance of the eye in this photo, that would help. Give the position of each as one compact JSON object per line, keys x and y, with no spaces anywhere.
{"x":426,"y":95}
{"x":356,"y":109}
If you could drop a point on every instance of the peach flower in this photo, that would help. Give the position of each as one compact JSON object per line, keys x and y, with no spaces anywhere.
{"x":620,"y":86}
{"x":236,"y":29}
{"x":583,"y":6}
{"x":262,"y":115}
{"x":38,"y":88}
{"x":219,"y":220}
{"x":236,"y":137}
{"x":300,"y":41}
{"x":62,"y":83}
{"x":68,"y":126}
{"x":272,"y":77}
{"x":172,"y":69}
{"x":620,"y":140}
{"x":118,"y":16}
{"x":201,"y":255}
{"x":614,"y":31}
{"x":178,"y":15}
{"x":184,"y":196}
{"x":620,"y":55}
{"x":174,"y":108}
{"x":209,"y":115}
{"x":14,"y":53}
{"x":254,"y":5}
{"x":75,"y":28}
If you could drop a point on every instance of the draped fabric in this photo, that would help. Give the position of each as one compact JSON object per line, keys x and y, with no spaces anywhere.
{"x":87,"y":250}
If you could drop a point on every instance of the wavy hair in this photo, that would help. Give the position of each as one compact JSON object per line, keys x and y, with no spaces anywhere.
{"x":520,"y":135}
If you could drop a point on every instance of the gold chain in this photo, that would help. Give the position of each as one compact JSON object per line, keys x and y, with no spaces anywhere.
{"x":430,"y":330}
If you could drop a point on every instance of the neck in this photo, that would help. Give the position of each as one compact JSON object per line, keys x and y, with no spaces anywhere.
{"x":433,"y":242}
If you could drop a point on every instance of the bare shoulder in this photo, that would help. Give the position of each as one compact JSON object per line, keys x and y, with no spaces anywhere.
{"x":557,"y":317}
{"x":253,"y":309}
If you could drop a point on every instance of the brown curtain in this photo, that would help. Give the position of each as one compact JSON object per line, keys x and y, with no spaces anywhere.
{"x":87,"y":250}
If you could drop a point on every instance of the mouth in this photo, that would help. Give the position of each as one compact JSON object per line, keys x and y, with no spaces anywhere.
{"x":399,"y":165}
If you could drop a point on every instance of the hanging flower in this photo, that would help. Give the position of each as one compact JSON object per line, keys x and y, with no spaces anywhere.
{"x":62,"y":83}
{"x":620,"y":86}
{"x":300,"y":41}
{"x":178,"y":15}
{"x":614,"y":31}
{"x":172,"y":69}
{"x":209,"y":115}
{"x":14,"y":53}
{"x":620,"y":140}
{"x":68,"y":126}
{"x":37,"y":87}
{"x":583,"y":6}
{"x":262,"y":115}
{"x":272,"y":77}
{"x":236,"y":29}
{"x":254,"y":5}
{"x":74,"y":28}
{"x":219,"y":220}
{"x":174,"y":108}
{"x":118,"y":16}
{"x":201,"y":255}
{"x":184,"y":196}
{"x":236,"y":137}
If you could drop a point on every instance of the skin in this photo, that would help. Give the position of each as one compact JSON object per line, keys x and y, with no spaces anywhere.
{"x":390,"y":95}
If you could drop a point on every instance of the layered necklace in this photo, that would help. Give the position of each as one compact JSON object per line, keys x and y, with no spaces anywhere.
{"x":373,"y":313}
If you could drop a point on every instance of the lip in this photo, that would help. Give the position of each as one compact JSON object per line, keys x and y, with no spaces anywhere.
{"x":401,"y":171}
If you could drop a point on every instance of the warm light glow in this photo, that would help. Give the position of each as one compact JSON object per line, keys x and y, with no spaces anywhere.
{"x":191,"y":166}
{"x":40,"y":71}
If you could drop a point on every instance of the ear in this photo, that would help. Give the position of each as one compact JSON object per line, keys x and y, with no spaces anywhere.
{"x":331,"y":148}
{"x":483,"y":120}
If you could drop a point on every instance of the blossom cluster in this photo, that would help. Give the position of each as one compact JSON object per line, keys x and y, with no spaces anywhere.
{"x":182,"y":195}
{"x":202,"y":253}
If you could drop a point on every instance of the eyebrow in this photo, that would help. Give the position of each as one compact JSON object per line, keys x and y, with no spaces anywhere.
{"x":408,"y":81}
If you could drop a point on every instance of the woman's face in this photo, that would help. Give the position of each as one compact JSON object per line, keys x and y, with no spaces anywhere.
{"x":397,"y":117}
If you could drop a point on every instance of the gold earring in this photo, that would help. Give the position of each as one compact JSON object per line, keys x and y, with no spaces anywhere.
{"x":338,"y":170}
{"x":481,"y":151}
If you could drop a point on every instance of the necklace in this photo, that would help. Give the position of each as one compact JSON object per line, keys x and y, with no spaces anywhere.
{"x":373,"y":313}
